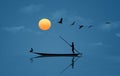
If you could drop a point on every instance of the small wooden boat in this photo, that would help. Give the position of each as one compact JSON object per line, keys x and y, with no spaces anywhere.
{"x":53,"y":54}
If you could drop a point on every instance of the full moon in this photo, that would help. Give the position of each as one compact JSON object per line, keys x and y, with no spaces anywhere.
{"x":44,"y":24}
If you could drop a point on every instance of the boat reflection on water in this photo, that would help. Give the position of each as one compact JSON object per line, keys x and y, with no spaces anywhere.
{"x":74,"y":59}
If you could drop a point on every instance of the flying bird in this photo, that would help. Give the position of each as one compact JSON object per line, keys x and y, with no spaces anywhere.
{"x":81,"y":26}
{"x":90,"y":26}
{"x":108,"y":23}
{"x":61,"y":20}
{"x":73,"y":23}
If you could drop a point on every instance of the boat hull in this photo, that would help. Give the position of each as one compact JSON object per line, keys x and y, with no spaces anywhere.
{"x":50,"y":54}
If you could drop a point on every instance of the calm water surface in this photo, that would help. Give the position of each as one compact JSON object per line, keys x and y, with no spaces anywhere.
{"x":92,"y":63}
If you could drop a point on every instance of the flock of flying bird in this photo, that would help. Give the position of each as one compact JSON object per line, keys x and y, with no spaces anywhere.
{"x":80,"y":26}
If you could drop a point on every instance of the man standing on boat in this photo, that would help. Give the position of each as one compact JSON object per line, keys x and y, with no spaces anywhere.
{"x":73,"y":47}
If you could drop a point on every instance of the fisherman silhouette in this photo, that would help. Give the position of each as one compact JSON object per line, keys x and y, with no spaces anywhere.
{"x":31,"y":50}
{"x":73,"y":47}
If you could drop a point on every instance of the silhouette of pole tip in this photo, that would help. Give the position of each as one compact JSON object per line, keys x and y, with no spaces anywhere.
{"x":61,"y":21}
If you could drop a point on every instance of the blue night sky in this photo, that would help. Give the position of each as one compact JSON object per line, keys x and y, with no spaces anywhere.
{"x":19,"y":32}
